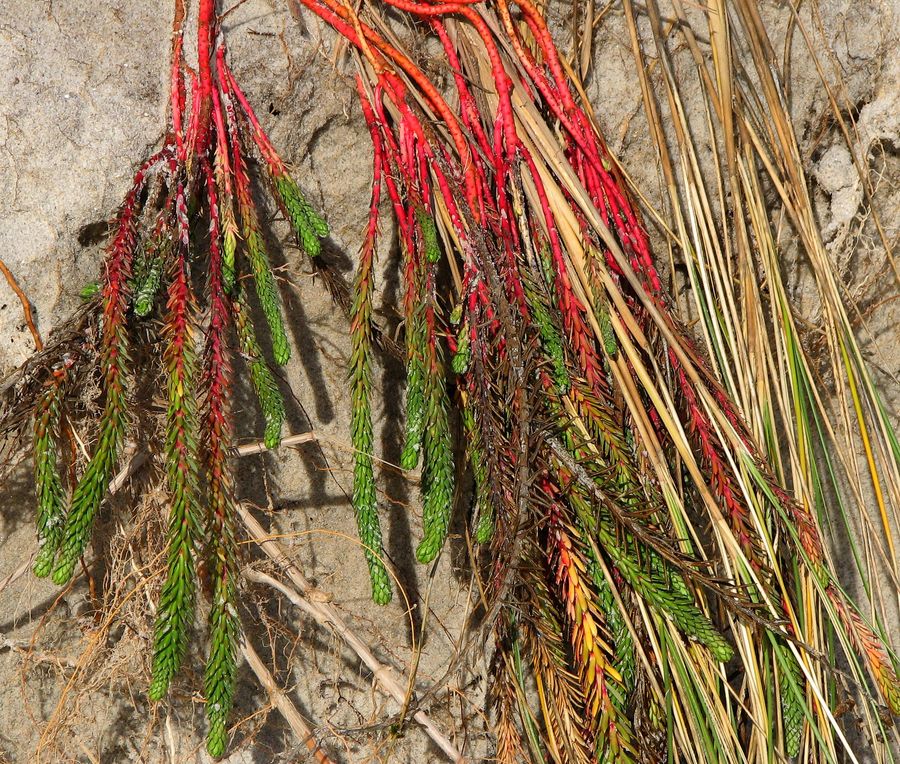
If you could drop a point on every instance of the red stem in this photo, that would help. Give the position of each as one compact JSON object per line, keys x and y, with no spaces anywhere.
{"x":206,"y":32}
{"x":336,"y":16}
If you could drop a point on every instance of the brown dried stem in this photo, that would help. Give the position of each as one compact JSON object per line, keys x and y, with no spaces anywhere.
{"x":327,"y":615}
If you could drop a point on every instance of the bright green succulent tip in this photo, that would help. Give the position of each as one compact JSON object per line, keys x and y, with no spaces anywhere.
{"x":63,"y":571}
{"x":381,"y":585}
{"x":89,"y":290}
{"x":216,"y":739}
{"x":43,"y":563}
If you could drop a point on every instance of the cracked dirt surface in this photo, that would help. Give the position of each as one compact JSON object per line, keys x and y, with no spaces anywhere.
{"x":83,"y":97}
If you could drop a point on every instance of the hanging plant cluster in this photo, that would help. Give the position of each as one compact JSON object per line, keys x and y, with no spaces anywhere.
{"x":189,"y":217}
{"x":635,"y":541}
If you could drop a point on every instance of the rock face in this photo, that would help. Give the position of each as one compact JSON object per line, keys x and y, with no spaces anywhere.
{"x":80,"y":106}
{"x":83,"y":90}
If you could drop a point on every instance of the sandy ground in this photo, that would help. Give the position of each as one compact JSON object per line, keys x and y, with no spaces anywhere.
{"x":82,"y":99}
